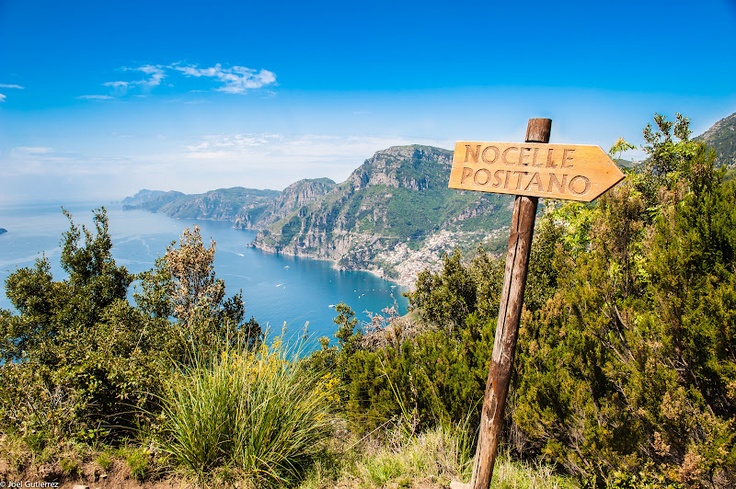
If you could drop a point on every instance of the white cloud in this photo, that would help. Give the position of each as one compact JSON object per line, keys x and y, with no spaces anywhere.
{"x":30,"y":150}
{"x":231,"y":144}
{"x":116,"y":84}
{"x":95,"y":97}
{"x":237,"y":79}
{"x":155,"y":75}
{"x":47,"y":161}
{"x":4,"y":97}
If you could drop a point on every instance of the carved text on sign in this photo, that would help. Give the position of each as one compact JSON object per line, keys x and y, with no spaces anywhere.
{"x":572,"y":172}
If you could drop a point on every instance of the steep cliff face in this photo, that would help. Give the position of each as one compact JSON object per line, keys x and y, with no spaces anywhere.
{"x":408,"y":167}
{"x":293,"y":197}
{"x":389,"y":212}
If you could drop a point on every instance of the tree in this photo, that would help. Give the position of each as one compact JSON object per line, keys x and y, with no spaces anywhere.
{"x":78,"y":360}
{"x":183,"y":285}
{"x":620,"y":147}
{"x":670,"y":152}
{"x":626,"y":369}
{"x":445,"y":298}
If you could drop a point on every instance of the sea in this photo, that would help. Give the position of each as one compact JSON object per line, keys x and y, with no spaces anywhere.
{"x":287,"y":295}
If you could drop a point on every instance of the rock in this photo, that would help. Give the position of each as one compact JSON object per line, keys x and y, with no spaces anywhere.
{"x":394,"y":216}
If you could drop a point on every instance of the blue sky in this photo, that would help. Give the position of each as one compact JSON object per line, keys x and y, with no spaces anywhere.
{"x":100,"y":99}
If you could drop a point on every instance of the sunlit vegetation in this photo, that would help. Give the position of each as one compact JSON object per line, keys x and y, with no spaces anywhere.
{"x":625,"y":371}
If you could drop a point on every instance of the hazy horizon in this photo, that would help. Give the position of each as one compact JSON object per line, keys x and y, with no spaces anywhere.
{"x":100,"y":100}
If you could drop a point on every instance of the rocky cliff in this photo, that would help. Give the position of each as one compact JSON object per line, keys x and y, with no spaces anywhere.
{"x":292,"y":198}
{"x":393,"y":216}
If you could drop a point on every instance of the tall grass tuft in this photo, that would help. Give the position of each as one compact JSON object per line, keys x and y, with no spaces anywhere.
{"x":434,"y":456}
{"x":433,"y":459}
{"x":261,"y":416}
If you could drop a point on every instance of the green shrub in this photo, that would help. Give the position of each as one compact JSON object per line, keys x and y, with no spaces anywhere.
{"x":76,"y":358}
{"x":69,"y":465}
{"x":79,"y":362}
{"x":104,"y":460}
{"x":138,"y":461}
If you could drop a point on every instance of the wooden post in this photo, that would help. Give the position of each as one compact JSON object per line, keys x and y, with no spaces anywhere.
{"x":507,"y":329}
{"x":591,"y":173}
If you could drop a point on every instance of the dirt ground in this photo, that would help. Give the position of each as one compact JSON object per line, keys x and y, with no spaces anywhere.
{"x":89,"y":476}
{"x":119,"y":477}
{"x":172,"y":484}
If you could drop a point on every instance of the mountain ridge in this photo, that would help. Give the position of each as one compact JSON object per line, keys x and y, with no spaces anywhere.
{"x":217,"y":205}
{"x":291,"y":198}
{"x":721,"y":136}
{"x":393,"y":216}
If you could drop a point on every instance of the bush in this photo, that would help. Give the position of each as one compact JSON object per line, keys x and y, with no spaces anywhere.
{"x":79,"y":362}
{"x":625,"y":361}
{"x":436,"y":457}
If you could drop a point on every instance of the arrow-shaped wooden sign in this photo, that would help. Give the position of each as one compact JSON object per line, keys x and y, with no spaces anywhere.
{"x":527,"y":170}
{"x":556,"y":171}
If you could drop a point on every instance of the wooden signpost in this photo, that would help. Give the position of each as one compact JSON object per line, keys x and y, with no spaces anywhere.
{"x":528,"y":170}
{"x":556,"y":171}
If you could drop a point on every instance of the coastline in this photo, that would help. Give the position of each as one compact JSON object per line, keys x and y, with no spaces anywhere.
{"x":405,"y":263}
{"x":402,"y":281}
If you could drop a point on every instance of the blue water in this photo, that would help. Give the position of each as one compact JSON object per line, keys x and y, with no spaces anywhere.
{"x":278,"y":290}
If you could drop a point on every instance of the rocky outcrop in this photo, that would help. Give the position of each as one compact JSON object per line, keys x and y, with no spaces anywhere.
{"x":292,"y":198}
{"x":401,"y":167}
{"x":393,"y":216}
